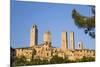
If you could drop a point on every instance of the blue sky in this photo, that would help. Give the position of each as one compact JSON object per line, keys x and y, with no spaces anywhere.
{"x":47,"y":16}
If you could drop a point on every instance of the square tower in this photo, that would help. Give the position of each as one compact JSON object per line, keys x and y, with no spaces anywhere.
{"x":34,"y":36}
{"x":72,"y":41}
{"x":47,"y":37}
{"x":64,"y":41}
{"x":80,"y":45}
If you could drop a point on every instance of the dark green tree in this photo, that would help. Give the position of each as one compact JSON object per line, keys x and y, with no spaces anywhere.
{"x":87,"y":59}
{"x":55,"y":60}
{"x":20,"y":61}
{"x":84,"y":22}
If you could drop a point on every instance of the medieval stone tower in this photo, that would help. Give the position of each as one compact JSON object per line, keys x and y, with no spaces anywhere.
{"x":80,"y":45}
{"x":64,"y":41}
{"x":72,"y":40}
{"x":47,"y":37}
{"x":34,"y":36}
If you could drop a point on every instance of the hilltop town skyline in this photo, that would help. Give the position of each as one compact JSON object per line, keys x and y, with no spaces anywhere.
{"x":45,"y":53}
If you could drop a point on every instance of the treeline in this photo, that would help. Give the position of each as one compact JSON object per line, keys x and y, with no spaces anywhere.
{"x":54,"y":60}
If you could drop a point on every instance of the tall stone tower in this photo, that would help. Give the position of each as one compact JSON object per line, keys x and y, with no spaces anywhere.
{"x":80,"y":45}
{"x":47,"y":37}
{"x":64,"y":41}
{"x":34,"y":36}
{"x":72,"y":40}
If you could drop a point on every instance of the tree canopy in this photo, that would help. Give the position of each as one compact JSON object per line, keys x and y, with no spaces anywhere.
{"x":84,"y":22}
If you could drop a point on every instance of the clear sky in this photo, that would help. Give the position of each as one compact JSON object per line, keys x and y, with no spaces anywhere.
{"x":47,"y":16}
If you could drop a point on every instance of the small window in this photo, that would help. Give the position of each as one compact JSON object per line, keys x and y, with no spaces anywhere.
{"x":46,"y":49}
{"x":47,"y":54}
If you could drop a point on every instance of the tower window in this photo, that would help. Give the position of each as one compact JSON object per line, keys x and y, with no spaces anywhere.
{"x":33,"y":26}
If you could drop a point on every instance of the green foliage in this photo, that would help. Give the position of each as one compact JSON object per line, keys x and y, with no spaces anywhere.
{"x":54,"y":60}
{"x":87,"y":59}
{"x":20,"y":61}
{"x":87,"y":23}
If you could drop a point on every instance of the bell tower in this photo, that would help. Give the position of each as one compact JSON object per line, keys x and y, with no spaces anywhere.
{"x":34,"y":36}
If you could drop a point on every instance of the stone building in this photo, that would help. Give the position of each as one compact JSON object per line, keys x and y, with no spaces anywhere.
{"x":27,"y":52}
{"x":45,"y":50}
{"x":34,"y":36}
{"x":64,"y":44}
{"x":47,"y":37}
{"x":72,"y":41}
{"x":80,"y":45}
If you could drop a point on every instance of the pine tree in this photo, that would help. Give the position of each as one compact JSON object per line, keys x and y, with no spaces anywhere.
{"x":84,"y":22}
